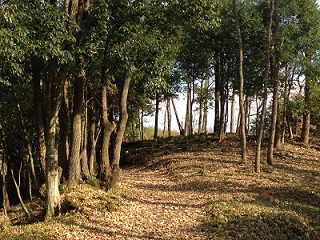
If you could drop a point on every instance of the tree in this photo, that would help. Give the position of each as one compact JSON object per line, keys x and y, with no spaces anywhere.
{"x":241,"y":94}
{"x":269,"y":14}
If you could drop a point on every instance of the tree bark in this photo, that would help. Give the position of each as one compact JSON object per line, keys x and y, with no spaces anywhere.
{"x":156,"y":119}
{"x":241,"y":94}
{"x":115,"y":165}
{"x":232,"y":130}
{"x":216,"y":127}
{"x":276,"y":84}
{"x":205,"y":103}
{"x":63,"y":148}
{"x":108,"y":128}
{"x":306,"y":114}
{"x":74,"y":175}
{"x":177,"y":118}
{"x":84,"y":154}
{"x":187,"y":124}
{"x":53,"y":102}
{"x":265,"y":85}
{"x":168,"y":108}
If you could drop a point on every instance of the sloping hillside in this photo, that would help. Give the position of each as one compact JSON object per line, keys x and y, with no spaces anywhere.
{"x":195,"y":188}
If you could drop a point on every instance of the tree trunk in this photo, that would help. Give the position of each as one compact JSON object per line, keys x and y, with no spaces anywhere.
{"x":141,"y":126}
{"x":241,"y":94}
{"x":222,"y":109}
{"x":63,"y":148}
{"x":265,"y":85}
{"x":201,"y":103}
{"x":276,"y":85}
{"x":306,"y":114}
{"x":177,"y":118}
{"x":216,"y":127}
{"x":187,"y":124}
{"x":232,"y":111}
{"x":94,"y":132}
{"x":84,"y":154}
{"x":3,"y":172}
{"x":108,"y":128}
{"x":168,"y":108}
{"x":156,"y":119}
{"x":205,"y":103}
{"x":74,"y":175}
{"x":53,"y":100}
{"x":123,"y":118}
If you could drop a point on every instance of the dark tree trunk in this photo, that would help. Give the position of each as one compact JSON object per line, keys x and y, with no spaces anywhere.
{"x":216,"y":127}
{"x":38,"y":115}
{"x":63,"y":148}
{"x":222,"y":109}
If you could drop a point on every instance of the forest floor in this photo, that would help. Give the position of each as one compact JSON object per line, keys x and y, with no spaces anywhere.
{"x":183,"y":188}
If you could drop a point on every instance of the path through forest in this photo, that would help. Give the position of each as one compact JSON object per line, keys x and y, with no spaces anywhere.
{"x":158,"y":208}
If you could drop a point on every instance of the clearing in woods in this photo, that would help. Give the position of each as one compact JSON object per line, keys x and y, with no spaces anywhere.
{"x":195,"y":188}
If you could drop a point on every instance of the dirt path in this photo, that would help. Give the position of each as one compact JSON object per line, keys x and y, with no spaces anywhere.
{"x":158,"y":209}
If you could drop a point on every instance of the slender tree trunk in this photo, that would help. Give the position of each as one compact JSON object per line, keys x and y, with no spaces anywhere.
{"x":74,"y":175}
{"x":63,"y":148}
{"x":277,"y":138}
{"x":84,"y":154}
{"x":201,"y":103}
{"x":169,"y":116}
{"x":3,"y":172}
{"x":187,"y":124}
{"x":265,"y":85}
{"x":232,"y":117}
{"x":241,"y":94}
{"x":141,"y":125}
{"x":17,"y":185}
{"x":156,"y":119}
{"x":177,"y":118}
{"x":94,"y":132}
{"x":115,"y":165}
{"x":222,"y":109}
{"x":306,"y":114}
{"x":205,"y":103}
{"x":217,"y":99}
{"x":276,"y":85}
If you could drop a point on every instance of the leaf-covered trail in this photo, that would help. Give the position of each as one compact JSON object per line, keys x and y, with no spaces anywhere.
{"x":158,"y":208}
